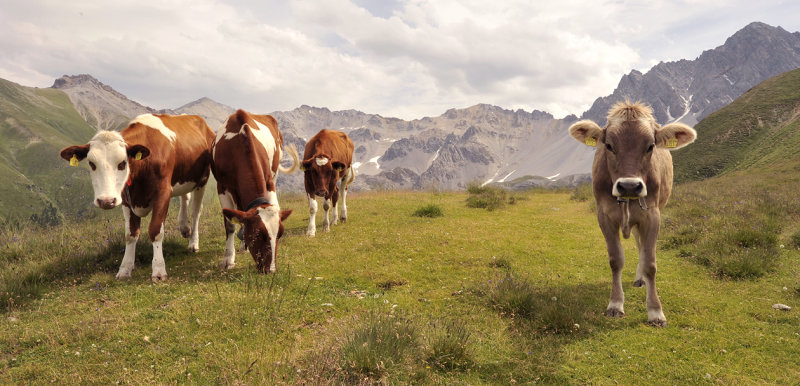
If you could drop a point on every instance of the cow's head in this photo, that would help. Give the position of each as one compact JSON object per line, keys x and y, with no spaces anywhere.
{"x":627,"y":144}
{"x":109,"y":158}
{"x":322,"y":173}
{"x":263,"y":226}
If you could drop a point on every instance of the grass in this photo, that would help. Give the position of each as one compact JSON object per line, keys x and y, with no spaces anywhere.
{"x":393,"y":283}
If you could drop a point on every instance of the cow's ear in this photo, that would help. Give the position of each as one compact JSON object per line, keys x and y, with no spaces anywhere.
{"x":234,"y":216}
{"x":285,"y":214}
{"x":338,"y":166}
{"x":305,"y":165}
{"x":138,"y":152}
{"x":586,"y":132}
{"x":675,"y":136}
{"x":73,"y":154}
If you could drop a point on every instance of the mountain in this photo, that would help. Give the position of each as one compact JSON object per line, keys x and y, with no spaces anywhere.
{"x":759,"y":130}
{"x":482,"y":143}
{"x":35,"y":124}
{"x":214,"y":113}
{"x":489,"y":144}
{"x":106,"y":109}
{"x":690,"y":90}
{"x":100,"y":105}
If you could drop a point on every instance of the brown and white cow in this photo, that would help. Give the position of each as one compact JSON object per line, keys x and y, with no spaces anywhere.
{"x":247,"y":153}
{"x":632,"y":181}
{"x":156,"y":157}
{"x":328,"y":158}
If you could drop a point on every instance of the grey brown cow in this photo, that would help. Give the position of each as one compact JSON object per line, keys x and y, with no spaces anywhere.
{"x":632,"y":181}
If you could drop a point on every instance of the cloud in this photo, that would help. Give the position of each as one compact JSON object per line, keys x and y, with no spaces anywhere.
{"x":406,"y":58}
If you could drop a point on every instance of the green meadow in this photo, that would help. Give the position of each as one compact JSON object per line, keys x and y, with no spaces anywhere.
{"x":468,"y":295}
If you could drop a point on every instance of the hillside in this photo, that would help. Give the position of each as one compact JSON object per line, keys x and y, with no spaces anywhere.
{"x":760,"y":129}
{"x":35,"y":124}
{"x":473,"y":297}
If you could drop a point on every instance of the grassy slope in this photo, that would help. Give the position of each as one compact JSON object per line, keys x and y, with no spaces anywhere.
{"x":78,"y":324}
{"x":757,"y":130}
{"x":35,"y":124}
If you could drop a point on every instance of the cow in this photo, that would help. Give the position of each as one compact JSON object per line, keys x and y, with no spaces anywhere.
{"x":327,"y":159}
{"x":632,"y":181}
{"x":246,"y":160}
{"x":154,"y":158}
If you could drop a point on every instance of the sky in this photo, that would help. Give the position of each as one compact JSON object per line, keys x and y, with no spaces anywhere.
{"x":397,"y":58}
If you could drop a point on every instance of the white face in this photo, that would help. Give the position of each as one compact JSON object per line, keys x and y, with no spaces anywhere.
{"x":109,"y":170}
{"x":271,"y":218}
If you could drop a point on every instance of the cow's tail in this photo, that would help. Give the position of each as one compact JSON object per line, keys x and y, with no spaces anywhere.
{"x":295,"y":160}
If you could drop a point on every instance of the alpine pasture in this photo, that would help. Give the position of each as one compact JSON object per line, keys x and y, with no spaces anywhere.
{"x":515,"y":294}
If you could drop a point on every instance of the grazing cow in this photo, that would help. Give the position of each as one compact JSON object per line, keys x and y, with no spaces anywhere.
{"x":156,"y":157}
{"x":328,"y":158}
{"x":632,"y":181}
{"x":247,"y":154}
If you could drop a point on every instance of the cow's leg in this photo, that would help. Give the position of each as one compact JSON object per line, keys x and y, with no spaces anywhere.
{"x":616,"y":259}
{"x":156,"y":233}
{"x":647,"y":264}
{"x":335,"y":199}
{"x":229,"y":258}
{"x":638,"y":282}
{"x":348,"y":178}
{"x":326,"y":224}
{"x":132,"y":224}
{"x":183,"y":216}
{"x":312,"y":216}
{"x":197,"y":206}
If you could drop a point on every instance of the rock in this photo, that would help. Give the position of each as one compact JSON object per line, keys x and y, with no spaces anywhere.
{"x":781,"y":307}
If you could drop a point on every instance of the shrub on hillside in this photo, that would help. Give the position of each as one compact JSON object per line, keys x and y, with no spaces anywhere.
{"x":488,"y":197}
{"x":379,"y":343}
{"x":546,"y":309}
{"x":431,"y":210}
{"x":449,"y":346}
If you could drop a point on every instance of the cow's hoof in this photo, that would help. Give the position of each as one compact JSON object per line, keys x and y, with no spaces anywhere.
{"x":311,"y":234}
{"x":194,"y":248}
{"x":326,"y":229}
{"x":224,"y":264}
{"x":186,"y":232}
{"x":615,"y":313}
{"x":657,"y":323}
{"x":638,"y":283}
{"x":160,"y":277}
{"x":343,"y":220}
{"x":123,"y":275}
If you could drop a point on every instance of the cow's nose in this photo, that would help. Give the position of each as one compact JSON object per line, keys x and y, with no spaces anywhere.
{"x":321,"y":193}
{"x":630,"y":188}
{"x":107,"y":203}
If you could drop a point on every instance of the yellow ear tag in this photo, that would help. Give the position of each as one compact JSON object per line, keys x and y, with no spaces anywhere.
{"x":672,"y":143}
{"x":591,"y":141}
{"x":73,"y":161}
{"x":235,"y":220}
{"x":138,"y":156}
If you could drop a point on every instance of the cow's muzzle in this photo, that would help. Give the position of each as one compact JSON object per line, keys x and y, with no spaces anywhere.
{"x":629,"y":188}
{"x":322,"y":193}
{"x":106,"y":203}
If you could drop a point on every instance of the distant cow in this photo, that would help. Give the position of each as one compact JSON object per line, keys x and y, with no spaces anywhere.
{"x":328,"y":158}
{"x":156,"y":157}
{"x":247,"y":153}
{"x":632,"y":181}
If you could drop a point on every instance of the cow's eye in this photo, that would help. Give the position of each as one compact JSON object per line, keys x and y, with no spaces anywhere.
{"x":121,"y":165}
{"x":609,"y":148}
{"x":92,"y":165}
{"x":650,"y":148}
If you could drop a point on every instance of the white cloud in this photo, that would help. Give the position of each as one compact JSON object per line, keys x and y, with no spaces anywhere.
{"x":406,"y":58}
